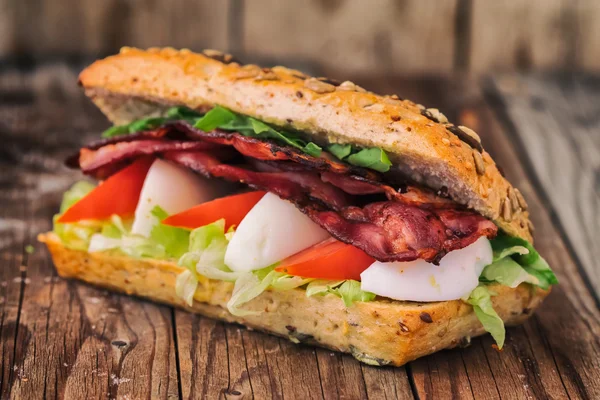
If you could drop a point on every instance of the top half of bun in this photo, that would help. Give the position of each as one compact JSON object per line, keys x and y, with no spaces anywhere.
{"x":420,"y":142}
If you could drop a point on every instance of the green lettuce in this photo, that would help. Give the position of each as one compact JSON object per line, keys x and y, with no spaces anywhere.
{"x":348,"y":290}
{"x":481,"y":300}
{"x":218,"y":117}
{"x":250,"y":285}
{"x":225,"y":119}
{"x":515,"y":261}
{"x":145,"y":124}
{"x":206,"y":257}
{"x":374,"y":158}
{"x":173,"y":240}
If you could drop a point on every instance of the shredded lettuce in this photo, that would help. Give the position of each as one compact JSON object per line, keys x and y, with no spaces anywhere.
{"x":76,"y":236}
{"x":173,"y":240}
{"x":348,"y":290}
{"x":481,"y":300}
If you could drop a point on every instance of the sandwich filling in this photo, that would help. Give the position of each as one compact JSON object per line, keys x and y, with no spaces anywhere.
{"x":332,"y":219}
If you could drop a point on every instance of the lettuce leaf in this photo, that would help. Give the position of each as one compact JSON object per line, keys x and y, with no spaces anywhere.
{"x":250,"y":285}
{"x":514,"y":258}
{"x":515,"y":261}
{"x":206,"y":256}
{"x":348,"y":290}
{"x":481,"y":300}
{"x":507,"y":272}
{"x":174,"y":240}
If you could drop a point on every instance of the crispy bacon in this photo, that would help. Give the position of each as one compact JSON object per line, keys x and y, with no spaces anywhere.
{"x":387,"y":230}
{"x":351,"y":203}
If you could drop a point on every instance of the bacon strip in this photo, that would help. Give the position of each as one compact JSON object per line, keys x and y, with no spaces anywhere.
{"x":387,"y":231}
{"x":349,"y":202}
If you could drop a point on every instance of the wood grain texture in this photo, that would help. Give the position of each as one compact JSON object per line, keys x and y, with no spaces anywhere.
{"x":386,"y":36}
{"x":91,"y":28}
{"x":67,"y":340}
{"x":557,"y":122}
{"x":534,"y":34}
{"x":353,"y":35}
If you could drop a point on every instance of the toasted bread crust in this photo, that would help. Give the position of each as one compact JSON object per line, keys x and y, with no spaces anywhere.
{"x":137,"y":83}
{"x":380,"y":332}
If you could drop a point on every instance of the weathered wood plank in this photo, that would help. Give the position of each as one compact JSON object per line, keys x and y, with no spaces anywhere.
{"x":353,"y":35}
{"x":556,"y":120}
{"x":71,"y":340}
{"x":541,"y":34}
{"x":90,"y":28}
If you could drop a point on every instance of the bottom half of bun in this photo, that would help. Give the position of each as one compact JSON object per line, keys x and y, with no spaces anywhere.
{"x":379,"y":332}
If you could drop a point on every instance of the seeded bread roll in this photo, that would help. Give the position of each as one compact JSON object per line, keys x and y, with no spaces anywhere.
{"x":420,"y":142}
{"x":379,"y":332}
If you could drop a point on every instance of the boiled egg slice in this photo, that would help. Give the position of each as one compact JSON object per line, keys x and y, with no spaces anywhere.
{"x":273,"y":230}
{"x":175,"y":189}
{"x":455,"y":277}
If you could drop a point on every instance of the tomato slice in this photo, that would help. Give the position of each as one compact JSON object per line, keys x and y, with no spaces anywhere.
{"x":119,"y":194}
{"x":232,"y":208}
{"x":330,"y":259}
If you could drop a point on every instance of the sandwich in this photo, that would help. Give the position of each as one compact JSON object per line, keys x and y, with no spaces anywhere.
{"x":303,"y":207}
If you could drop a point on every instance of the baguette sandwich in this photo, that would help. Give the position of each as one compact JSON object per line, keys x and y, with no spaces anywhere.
{"x":303,"y":207}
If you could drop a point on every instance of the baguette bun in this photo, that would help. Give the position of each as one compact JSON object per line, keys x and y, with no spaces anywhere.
{"x":379,"y":332}
{"x":420,"y":142}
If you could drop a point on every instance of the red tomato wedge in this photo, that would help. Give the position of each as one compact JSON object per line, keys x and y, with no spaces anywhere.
{"x":232,"y":208}
{"x":119,"y":194}
{"x":330,"y":259}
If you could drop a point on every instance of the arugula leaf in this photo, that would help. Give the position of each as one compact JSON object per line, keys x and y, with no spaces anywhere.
{"x":480,"y":299}
{"x":116,"y":130}
{"x":341,"y":151}
{"x":179,"y":113}
{"x":174,"y":240}
{"x":373,"y":158}
{"x":218,"y":117}
{"x":144,"y":124}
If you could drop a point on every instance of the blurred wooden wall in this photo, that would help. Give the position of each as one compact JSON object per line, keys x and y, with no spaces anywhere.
{"x":356,"y":36}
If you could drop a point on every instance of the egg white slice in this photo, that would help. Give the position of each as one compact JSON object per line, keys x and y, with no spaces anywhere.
{"x":455,"y":277}
{"x":273,"y":230}
{"x":173,"y":188}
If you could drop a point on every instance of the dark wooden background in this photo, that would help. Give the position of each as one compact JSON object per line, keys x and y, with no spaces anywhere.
{"x":354,"y":36}
{"x":64,"y":339}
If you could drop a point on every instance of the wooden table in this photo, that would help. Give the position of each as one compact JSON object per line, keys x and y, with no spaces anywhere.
{"x":69,"y":340}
